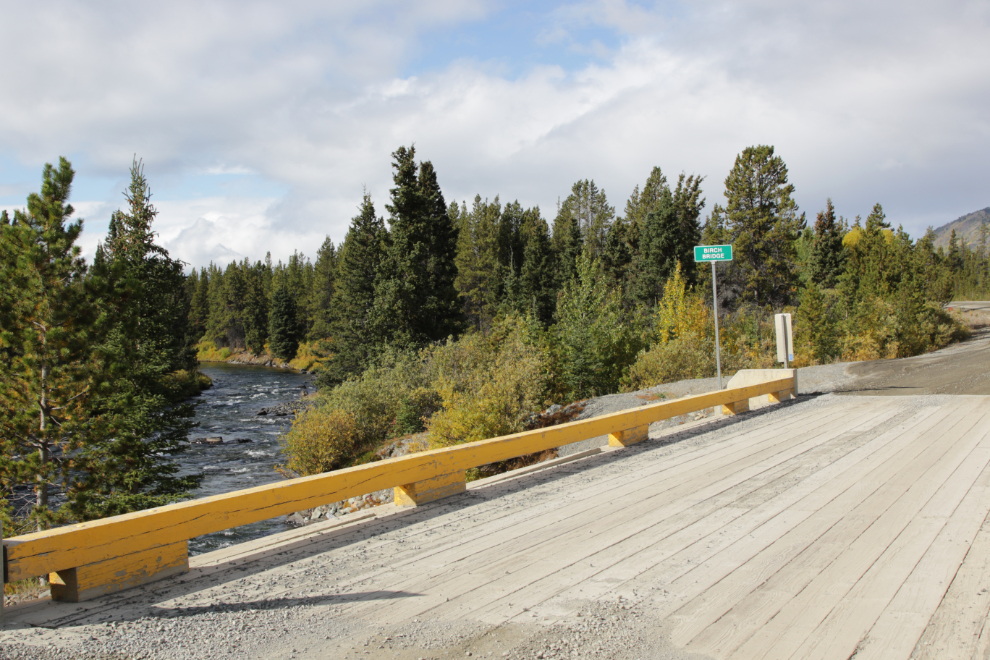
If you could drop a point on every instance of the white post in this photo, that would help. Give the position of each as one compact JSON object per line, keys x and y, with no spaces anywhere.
{"x":718,"y":349}
{"x":785,"y":341}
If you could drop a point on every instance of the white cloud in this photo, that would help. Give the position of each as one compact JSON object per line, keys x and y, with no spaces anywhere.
{"x":865,"y":102}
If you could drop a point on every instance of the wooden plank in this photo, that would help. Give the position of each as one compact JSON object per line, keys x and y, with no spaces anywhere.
{"x":40,"y":553}
{"x":657,"y":564}
{"x":812,"y":624}
{"x":629,"y":557}
{"x":729,"y":613}
{"x":430,"y":490}
{"x":695,"y":572}
{"x":905,"y":619}
{"x":405,"y":549}
{"x":818,"y":510}
{"x":954,"y":630}
{"x":642,"y":514}
{"x":701,"y":465}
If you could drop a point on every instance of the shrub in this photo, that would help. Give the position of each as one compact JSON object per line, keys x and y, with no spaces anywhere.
{"x":207,"y":351}
{"x":183,"y":384}
{"x":679,"y":359}
{"x":320,"y":440}
{"x":309,"y":356}
{"x":816,"y":331}
{"x":377,"y":395}
{"x":684,"y":340}
{"x":416,"y":409}
{"x":489,"y":384}
{"x":595,"y":340}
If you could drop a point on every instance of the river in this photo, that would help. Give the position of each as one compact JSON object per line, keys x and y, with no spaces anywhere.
{"x":229,"y":410}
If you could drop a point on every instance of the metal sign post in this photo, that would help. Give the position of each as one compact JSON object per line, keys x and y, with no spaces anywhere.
{"x":714,"y":253}
{"x":718,"y":346}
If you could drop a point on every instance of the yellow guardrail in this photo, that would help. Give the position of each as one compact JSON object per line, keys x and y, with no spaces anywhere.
{"x":93,"y":558}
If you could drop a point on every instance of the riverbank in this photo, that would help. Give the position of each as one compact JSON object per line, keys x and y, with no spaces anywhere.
{"x":306,"y":361}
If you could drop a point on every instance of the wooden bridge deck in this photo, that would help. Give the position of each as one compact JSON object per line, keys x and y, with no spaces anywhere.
{"x":818,"y":529}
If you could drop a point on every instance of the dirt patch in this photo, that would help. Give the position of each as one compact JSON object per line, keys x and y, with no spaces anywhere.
{"x":962,"y":368}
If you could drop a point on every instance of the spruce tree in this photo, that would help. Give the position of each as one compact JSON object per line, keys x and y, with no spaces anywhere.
{"x":594,"y":337}
{"x":358,"y":262}
{"x":510,"y":253}
{"x":763,"y":224}
{"x":826,"y":258}
{"x":477,"y":260}
{"x":955,"y":259}
{"x":617,"y":256}
{"x":144,"y":338}
{"x":658,"y":254}
{"x":415,"y":297}
{"x":666,"y":237}
{"x":283,"y":329}
{"x":642,"y":203}
{"x":567,"y":245}
{"x":199,"y":306}
{"x":228,"y":291}
{"x":538,"y":273}
{"x":321,"y":296}
{"x":255,"y":306}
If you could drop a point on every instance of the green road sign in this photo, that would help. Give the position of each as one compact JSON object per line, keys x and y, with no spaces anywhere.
{"x":713,"y":253}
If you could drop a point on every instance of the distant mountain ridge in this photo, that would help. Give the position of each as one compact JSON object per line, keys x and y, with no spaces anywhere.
{"x":967,"y":228}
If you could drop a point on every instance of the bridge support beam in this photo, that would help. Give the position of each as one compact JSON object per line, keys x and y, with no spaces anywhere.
{"x":736,"y":408}
{"x":783,"y":395}
{"x":429,"y":490}
{"x":85,"y":582}
{"x":628,"y":437}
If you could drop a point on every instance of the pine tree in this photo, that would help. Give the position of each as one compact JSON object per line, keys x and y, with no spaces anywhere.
{"x":358,"y":263}
{"x":415,"y":298}
{"x":763,"y":224}
{"x":46,"y":321}
{"x":283,"y":328}
{"x":587,"y":207}
{"x":826,"y":258}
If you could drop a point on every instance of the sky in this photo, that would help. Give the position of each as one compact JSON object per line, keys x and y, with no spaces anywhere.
{"x":261,"y":124}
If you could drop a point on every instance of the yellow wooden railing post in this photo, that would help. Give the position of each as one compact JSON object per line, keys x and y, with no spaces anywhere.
{"x":104,"y":577}
{"x":429,"y":490}
{"x":102,"y":556}
{"x":628,"y":437}
{"x":735,"y":407}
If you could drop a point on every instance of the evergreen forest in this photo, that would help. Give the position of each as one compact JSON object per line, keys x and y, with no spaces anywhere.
{"x":460,"y":319}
